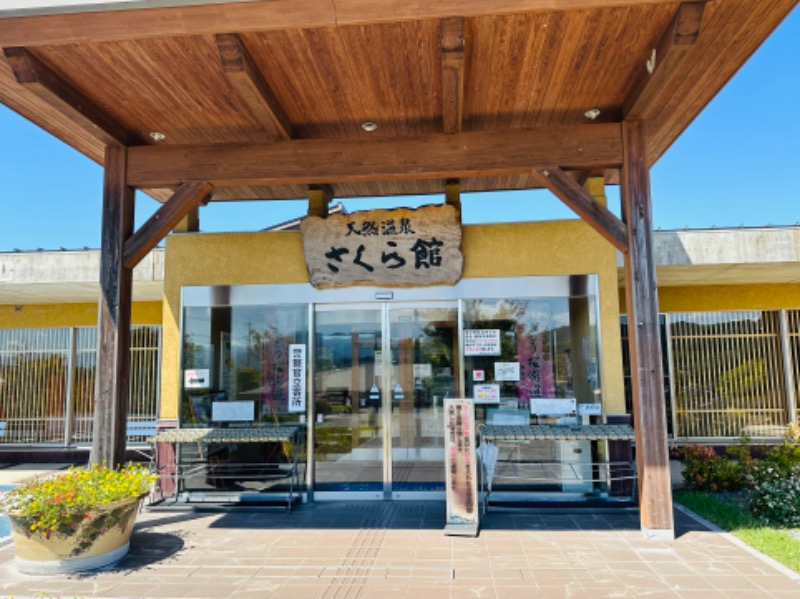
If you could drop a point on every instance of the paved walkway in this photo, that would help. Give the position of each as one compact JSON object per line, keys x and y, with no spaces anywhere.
{"x":365,"y":550}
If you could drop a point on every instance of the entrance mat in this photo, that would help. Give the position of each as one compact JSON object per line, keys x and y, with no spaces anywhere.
{"x":352,"y":487}
{"x":417,"y":487}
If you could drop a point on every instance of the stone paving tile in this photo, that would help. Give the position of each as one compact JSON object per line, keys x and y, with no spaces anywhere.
{"x":308,"y":554}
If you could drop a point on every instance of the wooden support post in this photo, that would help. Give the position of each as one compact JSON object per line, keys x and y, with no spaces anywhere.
{"x":189,"y":223}
{"x":319,"y":197}
{"x":647,"y":381}
{"x":114,"y":314}
{"x":452,"y":194}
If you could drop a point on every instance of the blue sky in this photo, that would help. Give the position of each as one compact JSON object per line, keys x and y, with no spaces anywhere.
{"x":737,"y":164}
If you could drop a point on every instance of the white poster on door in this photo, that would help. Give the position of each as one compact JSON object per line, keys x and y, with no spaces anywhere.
{"x":297,"y":377}
{"x":487,"y":394}
{"x":506,"y":371}
{"x":481,"y":342}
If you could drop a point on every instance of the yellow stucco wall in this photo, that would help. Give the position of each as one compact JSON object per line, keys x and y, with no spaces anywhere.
{"x":708,"y":298}
{"x":507,"y":250}
{"x":70,"y":315}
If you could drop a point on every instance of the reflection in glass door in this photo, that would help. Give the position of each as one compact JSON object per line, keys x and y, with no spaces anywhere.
{"x":349,"y":443}
{"x":424,"y":371}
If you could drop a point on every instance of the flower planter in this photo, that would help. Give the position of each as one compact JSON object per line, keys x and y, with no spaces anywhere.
{"x":102,"y":538}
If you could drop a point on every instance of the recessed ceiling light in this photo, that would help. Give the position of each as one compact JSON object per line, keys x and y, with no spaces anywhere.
{"x":369,"y":126}
{"x":592,"y":114}
{"x":157,"y":136}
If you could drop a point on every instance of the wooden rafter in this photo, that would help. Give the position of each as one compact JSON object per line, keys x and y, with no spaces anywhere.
{"x":661,"y":66}
{"x":246,"y":78}
{"x":597,"y":216}
{"x":40,"y":79}
{"x":452,"y":41}
{"x":441,"y":155}
{"x":140,"y":23}
{"x":187,"y":198}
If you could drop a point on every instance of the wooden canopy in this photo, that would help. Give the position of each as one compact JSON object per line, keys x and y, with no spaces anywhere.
{"x":286,"y":86}
{"x":209,"y":100}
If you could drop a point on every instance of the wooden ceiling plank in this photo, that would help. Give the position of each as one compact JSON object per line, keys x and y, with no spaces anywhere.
{"x":440,"y":155}
{"x":188,"y":197}
{"x":597,"y":216}
{"x":452,"y":40}
{"x":243,"y":74}
{"x":49,"y":86}
{"x":661,"y":66}
{"x":140,"y":23}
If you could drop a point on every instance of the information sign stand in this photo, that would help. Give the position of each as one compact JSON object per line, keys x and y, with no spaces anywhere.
{"x":461,"y":468}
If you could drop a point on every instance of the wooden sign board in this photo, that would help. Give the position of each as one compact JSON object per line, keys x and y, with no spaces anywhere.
{"x":395,"y":248}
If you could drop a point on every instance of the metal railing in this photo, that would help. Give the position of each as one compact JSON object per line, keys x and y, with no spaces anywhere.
{"x":47,"y":383}
{"x":730,"y":374}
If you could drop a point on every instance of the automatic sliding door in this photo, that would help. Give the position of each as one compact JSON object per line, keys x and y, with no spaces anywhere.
{"x":349,"y":445}
{"x":425,"y":370}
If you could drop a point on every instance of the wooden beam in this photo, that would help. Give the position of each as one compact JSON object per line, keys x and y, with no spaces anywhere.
{"x":597,"y":216}
{"x":246,"y":78}
{"x":158,"y":226}
{"x":319,"y":198}
{"x":140,"y":23}
{"x":114,"y":315}
{"x":41,"y":80}
{"x":452,"y":41}
{"x":434,"y":156}
{"x":657,"y":73}
{"x":647,"y":381}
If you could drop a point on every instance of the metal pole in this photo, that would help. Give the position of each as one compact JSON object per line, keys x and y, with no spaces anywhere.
{"x":788,"y":370}
{"x":71,"y":365}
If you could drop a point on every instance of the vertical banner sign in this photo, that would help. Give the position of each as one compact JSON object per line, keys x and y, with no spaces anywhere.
{"x":297,"y":378}
{"x":461,"y":468}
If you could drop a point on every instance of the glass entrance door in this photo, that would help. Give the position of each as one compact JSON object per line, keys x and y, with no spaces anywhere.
{"x":348,"y":402}
{"x":425,"y":370}
{"x":381,"y":373}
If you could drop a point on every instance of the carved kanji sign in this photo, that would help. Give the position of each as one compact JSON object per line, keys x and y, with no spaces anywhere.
{"x":400,"y":247}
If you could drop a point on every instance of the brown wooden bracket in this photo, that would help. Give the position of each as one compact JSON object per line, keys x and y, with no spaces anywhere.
{"x":597,"y":216}
{"x":452,"y":40}
{"x":319,"y":198}
{"x":246,"y":78}
{"x":48,"y":85}
{"x":661,"y":66}
{"x":433,"y":156}
{"x":186,"y":199}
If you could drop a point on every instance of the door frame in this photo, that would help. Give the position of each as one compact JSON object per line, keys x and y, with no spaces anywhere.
{"x":384,"y":308}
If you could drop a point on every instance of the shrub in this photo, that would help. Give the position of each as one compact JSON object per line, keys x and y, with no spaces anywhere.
{"x":776,"y":498}
{"x":705,"y":470}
